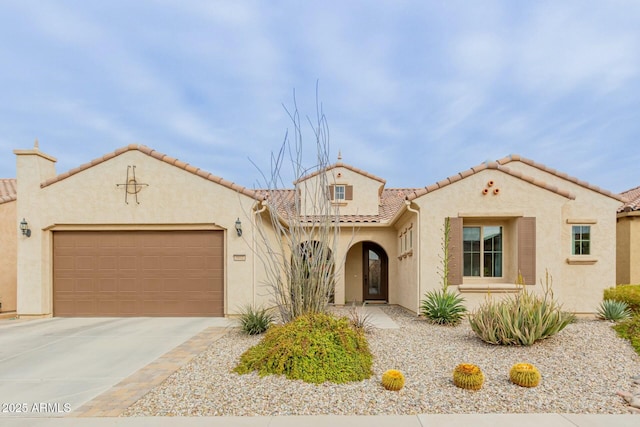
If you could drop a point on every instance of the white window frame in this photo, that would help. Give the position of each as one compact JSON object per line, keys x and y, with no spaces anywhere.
{"x":581,"y":231}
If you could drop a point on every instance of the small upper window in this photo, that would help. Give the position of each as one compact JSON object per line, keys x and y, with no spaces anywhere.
{"x":581,"y":240}
{"x":339,"y":192}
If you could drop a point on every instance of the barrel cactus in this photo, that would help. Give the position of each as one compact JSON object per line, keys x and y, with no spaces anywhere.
{"x":525,"y":375}
{"x":468,"y":376}
{"x":393,"y":380}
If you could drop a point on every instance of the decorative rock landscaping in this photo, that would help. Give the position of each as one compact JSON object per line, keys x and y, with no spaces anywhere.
{"x":582,"y":366}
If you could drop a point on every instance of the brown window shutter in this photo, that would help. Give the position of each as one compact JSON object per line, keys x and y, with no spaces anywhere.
{"x":455,"y":251}
{"x":330,"y":192}
{"x":527,"y":249}
{"x":348,"y":192}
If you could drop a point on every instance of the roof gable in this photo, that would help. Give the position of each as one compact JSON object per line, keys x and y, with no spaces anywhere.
{"x":159,"y":156}
{"x":574,"y":180}
{"x":339,"y":164}
{"x":499,"y":165}
{"x":484,"y":166}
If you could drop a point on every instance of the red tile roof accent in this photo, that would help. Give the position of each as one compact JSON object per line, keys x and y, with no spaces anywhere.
{"x":160,"y":156}
{"x":632,"y":200}
{"x":391,"y":201}
{"x":499,"y":165}
{"x":516,"y":157}
{"x":492,"y":165}
{"x":8,"y":190}
{"x":343,"y":165}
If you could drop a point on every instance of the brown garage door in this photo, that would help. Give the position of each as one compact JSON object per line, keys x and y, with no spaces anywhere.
{"x":138,"y":273}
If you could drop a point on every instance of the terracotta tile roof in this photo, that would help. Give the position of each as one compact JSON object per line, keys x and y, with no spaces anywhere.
{"x":516,"y":157}
{"x":499,"y":165}
{"x":8,"y":190}
{"x":157,"y":155}
{"x":632,"y":200}
{"x":391,"y":202}
{"x":342,"y":165}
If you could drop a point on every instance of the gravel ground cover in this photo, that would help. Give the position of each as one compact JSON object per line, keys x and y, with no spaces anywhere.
{"x":581,"y":367}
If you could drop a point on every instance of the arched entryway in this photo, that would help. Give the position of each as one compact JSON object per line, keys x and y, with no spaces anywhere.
{"x":375,"y":272}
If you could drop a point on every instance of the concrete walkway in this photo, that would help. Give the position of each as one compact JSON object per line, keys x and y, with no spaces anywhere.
{"x":379,"y":318}
{"x":460,"y":420}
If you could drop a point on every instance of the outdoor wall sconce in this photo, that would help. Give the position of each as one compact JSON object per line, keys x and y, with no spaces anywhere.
{"x":24,"y":226}
{"x":238,"y":227}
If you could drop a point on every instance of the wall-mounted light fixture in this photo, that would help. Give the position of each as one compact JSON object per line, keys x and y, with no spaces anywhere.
{"x":238,"y":227}
{"x":24,"y":226}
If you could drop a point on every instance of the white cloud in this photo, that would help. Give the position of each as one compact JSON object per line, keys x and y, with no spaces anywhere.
{"x":562,"y":49}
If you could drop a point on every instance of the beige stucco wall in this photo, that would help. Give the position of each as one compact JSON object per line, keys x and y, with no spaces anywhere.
{"x":628,"y":248}
{"x":8,"y":255}
{"x":92,"y":200}
{"x":578,"y":287}
{"x":408,"y":265}
{"x":366,"y":192}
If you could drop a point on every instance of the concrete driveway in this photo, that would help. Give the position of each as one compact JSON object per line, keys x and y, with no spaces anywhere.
{"x":58,"y":364}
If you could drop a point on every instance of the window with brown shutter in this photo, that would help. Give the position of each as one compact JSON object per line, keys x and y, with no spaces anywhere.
{"x":348,"y":192}
{"x":330,"y":189}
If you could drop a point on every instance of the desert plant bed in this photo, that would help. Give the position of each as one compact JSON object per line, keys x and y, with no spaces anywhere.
{"x":583,"y":366}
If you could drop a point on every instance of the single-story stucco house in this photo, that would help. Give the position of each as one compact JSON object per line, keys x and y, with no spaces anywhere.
{"x":628,"y":239}
{"x":139,"y":233}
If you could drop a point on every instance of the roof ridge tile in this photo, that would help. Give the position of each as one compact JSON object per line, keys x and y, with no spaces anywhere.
{"x":159,"y":156}
{"x":563,"y":175}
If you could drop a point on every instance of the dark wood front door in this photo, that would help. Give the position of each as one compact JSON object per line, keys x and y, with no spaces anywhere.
{"x":374,"y":272}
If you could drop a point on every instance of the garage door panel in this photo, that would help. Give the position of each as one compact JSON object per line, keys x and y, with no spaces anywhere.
{"x":108,"y":285}
{"x":138,"y":273}
{"x":85,"y":263}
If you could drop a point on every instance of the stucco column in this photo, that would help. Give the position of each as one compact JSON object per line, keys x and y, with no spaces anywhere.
{"x":32,"y":168}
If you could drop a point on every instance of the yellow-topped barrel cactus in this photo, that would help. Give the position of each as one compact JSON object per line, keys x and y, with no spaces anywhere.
{"x":525,"y":375}
{"x":393,"y":380}
{"x":468,"y":376}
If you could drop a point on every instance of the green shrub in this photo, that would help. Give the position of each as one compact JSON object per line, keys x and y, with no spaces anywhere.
{"x":522,"y":319}
{"x":443,"y":307}
{"x":315,"y":348}
{"x":254,"y":321}
{"x":630,"y":330}
{"x":625,"y":293}
{"x":614,"y":310}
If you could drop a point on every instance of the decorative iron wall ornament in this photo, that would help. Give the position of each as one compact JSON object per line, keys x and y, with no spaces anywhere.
{"x":132,"y":186}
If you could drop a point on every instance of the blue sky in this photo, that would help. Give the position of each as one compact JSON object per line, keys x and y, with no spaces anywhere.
{"x":413,"y":91}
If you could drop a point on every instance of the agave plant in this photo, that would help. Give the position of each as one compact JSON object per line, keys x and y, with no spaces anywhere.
{"x":443,"y":307}
{"x":522,"y":319}
{"x":254,"y":321}
{"x":613,"y":310}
